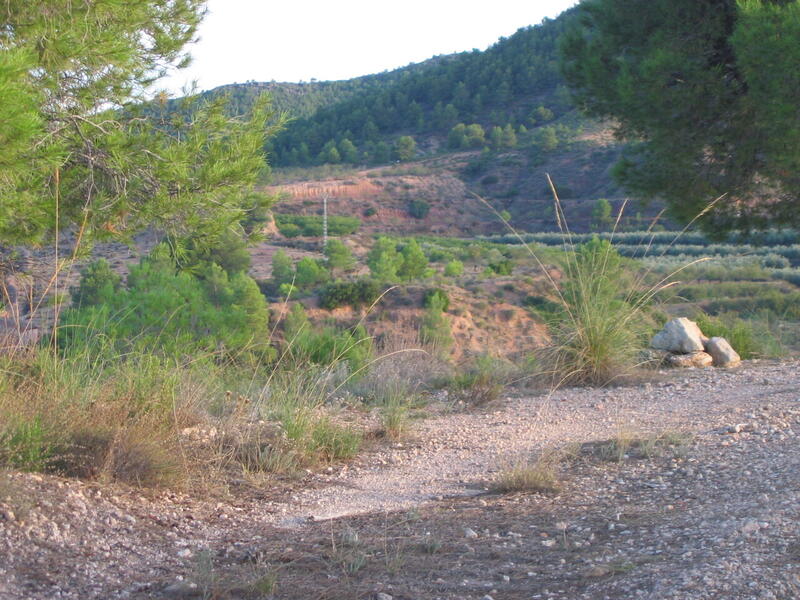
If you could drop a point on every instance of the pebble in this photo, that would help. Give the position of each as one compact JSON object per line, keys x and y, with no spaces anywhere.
{"x":470,"y":533}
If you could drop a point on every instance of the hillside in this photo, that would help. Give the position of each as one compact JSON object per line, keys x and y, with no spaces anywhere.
{"x":487,"y":123}
{"x":514,"y":85}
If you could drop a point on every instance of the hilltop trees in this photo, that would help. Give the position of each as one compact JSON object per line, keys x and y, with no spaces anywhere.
{"x":430,"y":98}
{"x":707,"y":91}
{"x":76,"y":150}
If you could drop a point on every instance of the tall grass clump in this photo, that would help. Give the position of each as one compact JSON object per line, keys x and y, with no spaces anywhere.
{"x":603,"y":324}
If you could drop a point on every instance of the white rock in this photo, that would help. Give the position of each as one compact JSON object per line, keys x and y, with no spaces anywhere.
{"x":722,"y":353}
{"x":469,"y":533}
{"x":679,"y":335}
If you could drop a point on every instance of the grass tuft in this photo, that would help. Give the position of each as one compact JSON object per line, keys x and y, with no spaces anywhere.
{"x":539,"y":475}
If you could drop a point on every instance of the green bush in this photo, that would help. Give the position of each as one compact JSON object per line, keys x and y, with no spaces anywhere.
{"x":99,"y":283}
{"x":173,"y":313}
{"x":349,"y":293}
{"x":26,"y":445}
{"x":750,"y":339}
{"x":454,"y":268}
{"x":310,"y":273}
{"x":418,"y":209}
{"x":502,"y":267}
{"x":435,"y":328}
{"x":311,"y":225}
{"x":436,"y":297}
{"x":327,"y":345}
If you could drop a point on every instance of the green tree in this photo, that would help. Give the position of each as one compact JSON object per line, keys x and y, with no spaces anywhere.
{"x":545,"y":138}
{"x":98,"y":284}
{"x":509,"y":136}
{"x":476,"y":136}
{"x":309,"y":273}
{"x":330,"y":154}
{"x":73,"y":77}
{"x":457,"y":138}
{"x":382,"y":153}
{"x":496,"y":137}
{"x":383,"y":260}
{"x":405,"y":148}
{"x":601,"y":214}
{"x":282,"y":268}
{"x":707,"y":91}
{"x":415,"y":263}
{"x":165,"y":311}
{"x":348,"y":151}
{"x":339,"y":256}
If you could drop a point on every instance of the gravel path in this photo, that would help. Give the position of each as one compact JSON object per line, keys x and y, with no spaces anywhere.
{"x":725,"y":523}
{"x":450,"y":453}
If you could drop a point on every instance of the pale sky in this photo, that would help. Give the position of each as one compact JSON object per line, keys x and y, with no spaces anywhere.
{"x":298,"y":40}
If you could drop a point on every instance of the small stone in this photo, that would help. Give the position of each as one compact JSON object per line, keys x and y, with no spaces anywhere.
{"x":470,"y":533}
{"x":487,"y":597}
{"x":382,"y":596}
{"x":750,"y":527}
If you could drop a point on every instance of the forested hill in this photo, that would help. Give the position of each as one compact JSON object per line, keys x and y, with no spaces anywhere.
{"x":496,"y":95}
{"x":302,"y":100}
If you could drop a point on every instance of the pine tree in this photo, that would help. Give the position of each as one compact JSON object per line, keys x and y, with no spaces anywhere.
{"x":339,"y":256}
{"x":405,"y":148}
{"x":72,"y":123}
{"x":707,"y":92}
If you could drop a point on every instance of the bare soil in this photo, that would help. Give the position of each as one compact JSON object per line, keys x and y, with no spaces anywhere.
{"x":415,"y":519}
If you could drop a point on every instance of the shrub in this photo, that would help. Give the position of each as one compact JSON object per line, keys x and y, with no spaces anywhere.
{"x":435,"y":328}
{"x":436,"y":298}
{"x":173,"y":313}
{"x":98,"y":284}
{"x":454,"y":268}
{"x":311,"y":225}
{"x":418,"y":209}
{"x":482,"y":381}
{"x":502,"y":267}
{"x":349,"y":293}
{"x":310,"y":273}
{"x":327,"y":345}
{"x":749,"y":339}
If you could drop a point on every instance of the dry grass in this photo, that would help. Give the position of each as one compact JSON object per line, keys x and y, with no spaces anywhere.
{"x":538,"y":475}
{"x":627,"y":444}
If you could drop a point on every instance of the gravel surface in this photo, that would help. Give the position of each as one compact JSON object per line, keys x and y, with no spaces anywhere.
{"x":721,"y":522}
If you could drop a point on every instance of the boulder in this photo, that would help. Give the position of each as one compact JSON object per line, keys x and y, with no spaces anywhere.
{"x":699,"y":360}
{"x":681,"y":336}
{"x":722,"y":353}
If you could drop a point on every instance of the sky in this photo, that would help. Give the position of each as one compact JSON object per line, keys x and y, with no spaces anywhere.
{"x":263,"y":40}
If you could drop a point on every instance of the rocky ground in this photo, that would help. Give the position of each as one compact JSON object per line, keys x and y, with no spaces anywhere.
{"x":714,"y":517}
